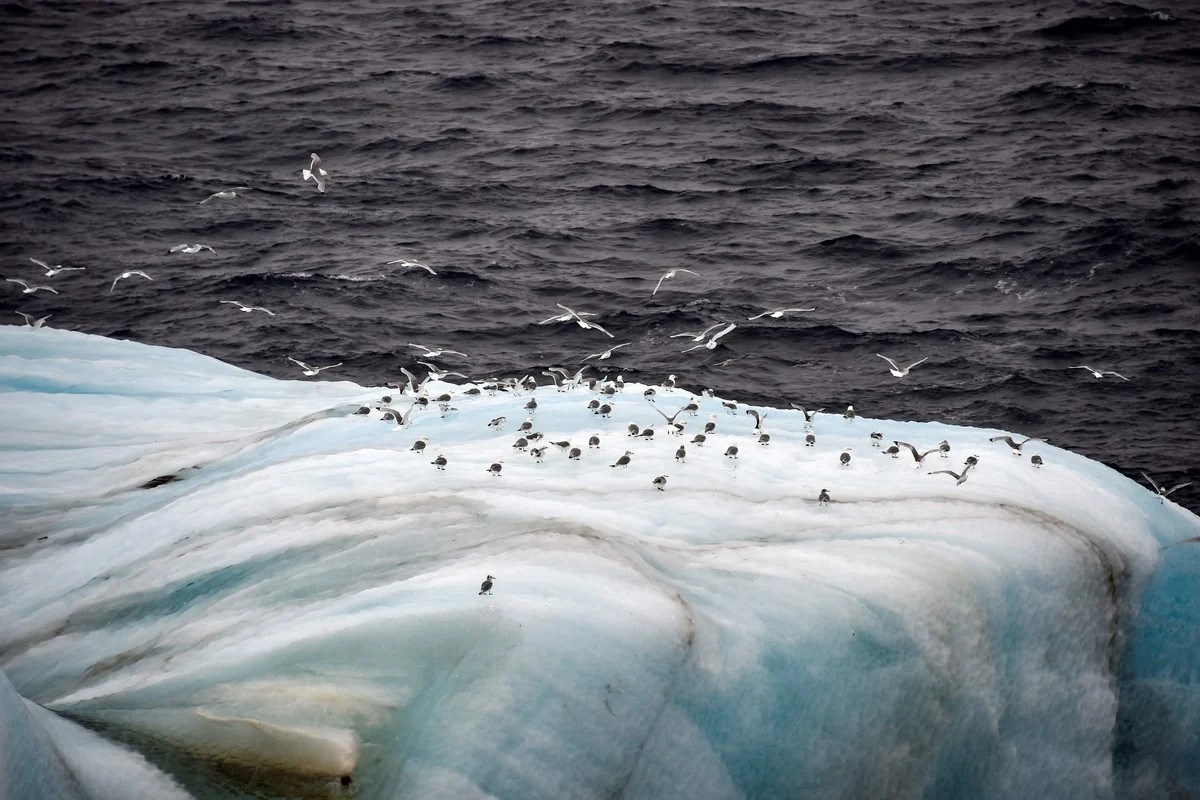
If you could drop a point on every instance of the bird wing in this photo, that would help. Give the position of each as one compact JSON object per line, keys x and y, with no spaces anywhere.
{"x":430,"y":269}
{"x":597,"y":327}
{"x":693,"y":347}
{"x":659,"y":284}
{"x":233,"y":303}
{"x":1179,"y":486}
{"x":1117,"y":374}
{"x":264,"y":310}
{"x":728,"y":328}
{"x":1157,"y":488}
{"x":947,"y":472}
{"x":1006,"y":439}
{"x":1083,"y":366}
{"x":28,"y":317}
{"x":455,"y":352}
{"x":690,"y":272}
{"x":423,"y":347}
{"x":893,"y":363}
{"x":298,"y":361}
{"x":911,"y":449}
{"x":910,"y":366}
{"x":757,"y":316}
{"x":41,"y":264}
{"x":17,"y":280}
{"x":331,"y":366}
{"x":685,"y":333}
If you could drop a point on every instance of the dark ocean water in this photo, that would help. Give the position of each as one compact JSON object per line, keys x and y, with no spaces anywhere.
{"x":1009,"y":189}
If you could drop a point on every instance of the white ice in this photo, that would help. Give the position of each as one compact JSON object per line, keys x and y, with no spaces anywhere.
{"x":301,"y":605}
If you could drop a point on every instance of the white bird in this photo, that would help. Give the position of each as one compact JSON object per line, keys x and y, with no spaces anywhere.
{"x":310,"y":371}
{"x":436,"y":374}
{"x":668,"y":276}
{"x":34,"y":323}
{"x":1097,"y":373}
{"x":406,"y":264}
{"x":224,"y":194}
{"x":1163,"y":491}
{"x":434,"y":352}
{"x":57,"y":268}
{"x":247,"y":308}
{"x":191,"y":248}
{"x":711,"y":344}
{"x":567,"y":317}
{"x":779,"y":312}
{"x":607,"y":353}
{"x":315,"y":172}
{"x":896,"y":370}
{"x":699,"y":335}
{"x":31,"y":289}
{"x":128,"y":274}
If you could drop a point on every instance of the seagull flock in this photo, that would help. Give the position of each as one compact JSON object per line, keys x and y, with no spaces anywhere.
{"x":708,"y":339}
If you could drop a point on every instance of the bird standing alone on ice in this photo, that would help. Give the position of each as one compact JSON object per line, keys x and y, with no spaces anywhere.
{"x":486,"y":586}
{"x":845,"y":457}
{"x":660,"y":483}
{"x":823,"y":498}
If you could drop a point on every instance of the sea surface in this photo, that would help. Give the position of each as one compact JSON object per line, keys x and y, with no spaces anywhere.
{"x":1006,"y":189}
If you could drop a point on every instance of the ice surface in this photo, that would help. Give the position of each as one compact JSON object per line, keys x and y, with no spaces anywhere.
{"x":299,"y":605}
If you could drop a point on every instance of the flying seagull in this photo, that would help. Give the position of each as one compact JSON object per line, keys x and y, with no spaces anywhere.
{"x":918,"y":457}
{"x":224,"y":194}
{"x":1098,"y":373}
{"x":896,"y":370}
{"x":57,"y":268}
{"x":699,"y":335}
{"x":434,"y":352}
{"x":315,"y":172}
{"x":779,"y":312}
{"x":607,"y":353}
{"x":711,"y":344}
{"x":247,"y":308}
{"x":1163,"y":491}
{"x":406,"y":264}
{"x":310,"y":371}
{"x":959,"y":477}
{"x":31,"y":289}
{"x":191,"y":248}
{"x":34,"y":323}
{"x":668,"y":276}
{"x":128,"y":274}
{"x":1016,"y":446}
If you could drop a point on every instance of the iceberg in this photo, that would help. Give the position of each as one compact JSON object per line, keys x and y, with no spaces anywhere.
{"x":215,"y":583}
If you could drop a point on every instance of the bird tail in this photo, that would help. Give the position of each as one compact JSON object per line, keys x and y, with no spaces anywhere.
{"x":307,"y":174}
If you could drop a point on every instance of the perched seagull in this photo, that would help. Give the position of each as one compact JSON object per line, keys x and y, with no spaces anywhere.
{"x":310,"y":371}
{"x":57,"y":268}
{"x":896,"y":370}
{"x":607,"y":353}
{"x":191,"y":248}
{"x":1016,"y":446}
{"x":660,"y":483}
{"x":699,"y":335}
{"x":128,"y":274}
{"x":431,"y":352}
{"x":623,"y":461}
{"x":406,"y":264}
{"x":668,"y":276}
{"x":779,"y":312}
{"x":1036,"y":460}
{"x":30,"y":322}
{"x":1097,"y":373}
{"x":247,"y":308}
{"x":315,"y":172}
{"x":1163,"y":492}
{"x":224,"y":194}
{"x":31,"y":289}
{"x":486,"y":586}
{"x":823,"y":498}
{"x":845,"y":457}
{"x":959,"y":477}
{"x":496,"y":467}
{"x":711,"y":344}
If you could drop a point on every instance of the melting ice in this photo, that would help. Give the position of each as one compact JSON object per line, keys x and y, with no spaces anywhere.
{"x":215,"y":584}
